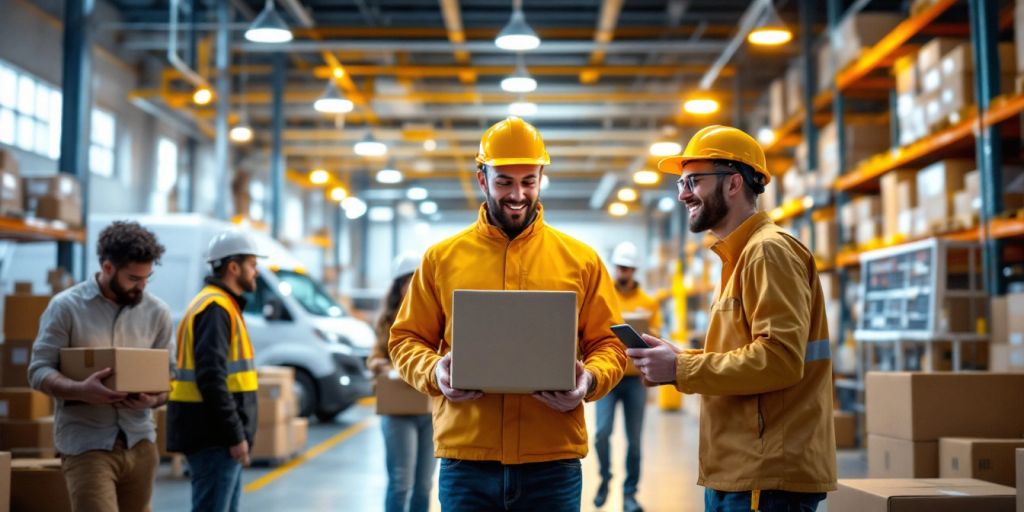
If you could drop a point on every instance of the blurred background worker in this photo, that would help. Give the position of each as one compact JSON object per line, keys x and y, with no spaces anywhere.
{"x":408,"y":439}
{"x":631,"y":392}
{"x":212,"y":414}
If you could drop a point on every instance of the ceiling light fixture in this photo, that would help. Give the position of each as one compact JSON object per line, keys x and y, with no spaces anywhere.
{"x":430,"y":145}
{"x":354,"y":207}
{"x":765,"y":135}
{"x":240,"y":133}
{"x":522,"y":108}
{"x":771,"y":30}
{"x":416,"y":193}
{"x":331,"y":101}
{"x":202,"y":96}
{"x":701,"y":105}
{"x":268,"y":27}
{"x":319,"y":176}
{"x":517,"y":35}
{"x":665,"y":148}
{"x":428,"y":207}
{"x":617,"y":209}
{"x":627,"y":195}
{"x":389,"y":176}
{"x":519,"y":81}
{"x":338,"y":194}
{"x":646,"y":177}
{"x":370,"y":146}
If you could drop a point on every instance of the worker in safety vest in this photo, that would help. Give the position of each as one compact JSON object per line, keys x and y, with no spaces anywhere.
{"x":211,"y":417}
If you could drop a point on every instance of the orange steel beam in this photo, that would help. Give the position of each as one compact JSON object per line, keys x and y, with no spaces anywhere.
{"x":456,"y":35}
{"x":607,"y":20}
{"x":554,"y":33}
{"x":444,"y":71}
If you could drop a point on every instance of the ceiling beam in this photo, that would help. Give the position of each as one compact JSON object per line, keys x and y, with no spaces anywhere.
{"x":602,"y":36}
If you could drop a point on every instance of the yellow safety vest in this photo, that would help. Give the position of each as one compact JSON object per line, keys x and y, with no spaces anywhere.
{"x":241,"y":369}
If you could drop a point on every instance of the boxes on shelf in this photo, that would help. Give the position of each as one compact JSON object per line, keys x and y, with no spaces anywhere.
{"x":777,"y":102}
{"x":991,"y":460}
{"x":1020,"y":478}
{"x":846,"y":429}
{"x":136,"y":370}
{"x":24,"y":404}
{"x":826,"y":67}
{"x":928,"y":60}
{"x":794,"y":185}
{"x":794,"y":88}
{"x":936,"y":186}
{"x":22,"y":311}
{"x":1006,"y":358}
{"x":27,"y":438}
{"x":826,"y":239}
{"x":860,"y":31}
{"x":863,"y":140}
{"x":5,"y":482}
{"x":11,"y":199}
{"x":921,"y":495}
{"x":56,"y":197}
{"x":37,"y":485}
{"x":14,"y":358}
{"x":905,"y":72}
{"x":899,"y":188}
{"x":891,"y":457}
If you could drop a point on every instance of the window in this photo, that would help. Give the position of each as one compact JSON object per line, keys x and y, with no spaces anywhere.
{"x":166,"y":173}
{"x":30,"y":112}
{"x":101,"y":147}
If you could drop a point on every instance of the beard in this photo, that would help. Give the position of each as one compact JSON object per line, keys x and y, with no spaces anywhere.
{"x":711,"y":210}
{"x":511,"y":223}
{"x":249,"y":285}
{"x":125,"y":296}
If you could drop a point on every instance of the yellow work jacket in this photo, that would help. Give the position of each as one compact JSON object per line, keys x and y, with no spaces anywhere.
{"x":637,"y":301}
{"x":241,"y":372}
{"x":766,"y":371}
{"x":509,"y":428}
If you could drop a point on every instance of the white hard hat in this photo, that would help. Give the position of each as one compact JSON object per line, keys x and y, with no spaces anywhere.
{"x":625,"y":255}
{"x":232,"y":243}
{"x":405,"y":264}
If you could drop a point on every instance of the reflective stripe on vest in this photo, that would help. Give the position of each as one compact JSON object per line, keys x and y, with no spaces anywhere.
{"x":241,"y":371}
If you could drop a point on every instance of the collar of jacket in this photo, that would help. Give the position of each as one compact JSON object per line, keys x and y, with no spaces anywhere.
{"x":730,"y":247}
{"x":485,"y":228}
{"x":239,"y":299}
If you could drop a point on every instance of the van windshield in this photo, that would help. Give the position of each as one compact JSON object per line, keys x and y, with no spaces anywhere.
{"x":309,"y":293}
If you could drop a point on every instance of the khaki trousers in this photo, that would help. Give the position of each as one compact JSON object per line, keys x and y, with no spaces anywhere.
{"x":120,"y":480}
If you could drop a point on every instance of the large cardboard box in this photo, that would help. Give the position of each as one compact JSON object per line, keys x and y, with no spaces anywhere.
{"x":1006,"y":358}
{"x":24,"y":404}
{"x":991,"y":460}
{"x":927,"y":406}
{"x":1020,"y":479}
{"x":136,"y":370}
{"x":396,"y":398}
{"x":14,"y":358}
{"x":923,"y":495}
{"x":936,"y":186}
{"x":514,"y":341}
{"x":5,"y":482}
{"x":890,"y":457}
{"x":272,"y":412}
{"x":826,"y":66}
{"x":7,"y":161}
{"x":794,"y":88}
{"x":276,"y":383}
{"x":863,"y":140}
{"x":11,"y":198}
{"x":21,"y":315}
{"x":26,"y":436}
{"x":299,"y":434}
{"x":64,"y":209}
{"x":60,"y":185}
{"x":37,"y":485}
{"x":860,"y":31}
{"x":777,"y":102}
{"x":956,"y":94}
{"x":928,"y":60}
{"x":272,"y":441}
{"x":960,"y":59}
{"x":892,"y":199}
{"x":846,"y":429}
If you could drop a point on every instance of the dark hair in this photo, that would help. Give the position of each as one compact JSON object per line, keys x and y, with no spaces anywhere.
{"x":124,"y":242}
{"x":220,"y":267}
{"x":389,"y":308}
{"x":753,"y":180}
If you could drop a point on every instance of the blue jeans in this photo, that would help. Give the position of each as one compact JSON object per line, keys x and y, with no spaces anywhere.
{"x":771,"y":501}
{"x":409,"y":444}
{"x":216,"y":480}
{"x":485,"y":486}
{"x":633,"y":395}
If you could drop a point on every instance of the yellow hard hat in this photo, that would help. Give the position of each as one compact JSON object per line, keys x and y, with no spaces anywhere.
{"x":717,"y":142}
{"x":510,"y":142}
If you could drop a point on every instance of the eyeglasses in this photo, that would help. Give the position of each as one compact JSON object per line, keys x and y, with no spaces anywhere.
{"x":689,"y":182}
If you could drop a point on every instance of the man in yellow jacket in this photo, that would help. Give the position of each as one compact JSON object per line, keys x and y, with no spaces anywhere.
{"x":631,"y":391}
{"x":767,"y":440}
{"x":507,"y":451}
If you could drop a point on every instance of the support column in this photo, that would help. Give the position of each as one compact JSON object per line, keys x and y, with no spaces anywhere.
{"x":276,"y":154}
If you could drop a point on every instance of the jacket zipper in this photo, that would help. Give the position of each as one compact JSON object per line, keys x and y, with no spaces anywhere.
{"x":504,"y":265}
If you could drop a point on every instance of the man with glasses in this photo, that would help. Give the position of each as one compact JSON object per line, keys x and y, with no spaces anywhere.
{"x":106,"y":438}
{"x":767,"y":440}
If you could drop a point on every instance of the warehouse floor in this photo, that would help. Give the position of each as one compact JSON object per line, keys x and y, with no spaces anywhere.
{"x":343,"y":469}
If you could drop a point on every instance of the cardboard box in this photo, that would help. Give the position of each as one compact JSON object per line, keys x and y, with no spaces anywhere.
{"x":826,"y":239}
{"x":956,"y":94}
{"x":863,"y":141}
{"x":5,"y":482}
{"x":890,"y":457}
{"x":794,"y":88}
{"x":960,"y":59}
{"x":273,"y":412}
{"x":11,"y":197}
{"x":1006,"y":358}
{"x":37,"y":485}
{"x":846,"y":429}
{"x":868,"y":231}
{"x":860,"y":31}
{"x":826,"y":67}
{"x":1020,"y":479}
{"x":924,"y":495}
{"x":927,"y":406}
{"x":929,"y":57}
{"x":14,"y":358}
{"x":59,"y":280}
{"x":514,"y":341}
{"x":66,"y":210}
{"x":272,"y":441}
{"x":60,"y":185}
{"x":991,"y":460}
{"x":639,"y":320}
{"x":26,"y":435}
{"x":24,"y":404}
{"x":276,"y":383}
{"x":397,"y":398}
{"x":7,"y":161}
{"x":777,"y":102}
{"x":21,"y":315}
{"x":136,"y":370}
{"x":936,"y":186}
{"x":299,"y":434}
{"x":892,"y":195}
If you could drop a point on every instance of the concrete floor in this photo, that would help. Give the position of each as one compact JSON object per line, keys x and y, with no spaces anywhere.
{"x":343,"y":469}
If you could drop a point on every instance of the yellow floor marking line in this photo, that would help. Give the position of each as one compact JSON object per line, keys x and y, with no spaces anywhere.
{"x":308,"y":455}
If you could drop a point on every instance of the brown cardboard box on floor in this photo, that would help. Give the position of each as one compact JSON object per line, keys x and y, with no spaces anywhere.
{"x":272,"y":412}
{"x":24,"y":404}
{"x":846,"y":429}
{"x":136,"y":370}
{"x":14,"y":358}
{"x":514,"y":341}
{"x":890,"y":457}
{"x":21,"y":315}
{"x":395,"y":397}
{"x":276,"y":383}
{"x":5,"y":482}
{"x":927,"y":406}
{"x":991,"y":460}
{"x":37,"y":485}
{"x":923,"y":495}
{"x":1020,"y":479}
{"x":26,"y":435}
{"x":299,"y":434}
{"x":272,"y":441}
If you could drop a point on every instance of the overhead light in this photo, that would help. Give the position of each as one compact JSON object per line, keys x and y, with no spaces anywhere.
{"x":646,"y":177}
{"x":618,"y":209}
{"x":382,"y":214}
{"x":545,"y":182}
{"x":319,"y":176}
{"x":202,"y":96}
{"x":770,"y":31}
{"x":519,"y":81}
{"x":665,"y":148}
{"x":389,"y":176}
{"x":338,"y":194}
{"x":240,"y":133}
{"x":627,"y":195}
{"x":429,"y":145}
{"x":765,"y":135}
{"x":370,"y":146}
{"x":701,"y":106}
{"x":268,"y":27}
{"x":517,"y":35}
{"x":422,"y":166}
{"x":354,"y":207}
{"x":667,"y":204}
{"x":522,"y":108}
{"x":406,"y":209}
{"x":428,"y":207}
{"x":331,"y":101}
{"x":416,"y":193}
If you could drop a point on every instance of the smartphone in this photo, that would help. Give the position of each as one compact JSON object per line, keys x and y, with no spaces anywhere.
{"x":629,"y":337}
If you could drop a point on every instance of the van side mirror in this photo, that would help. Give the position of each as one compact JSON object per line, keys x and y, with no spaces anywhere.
{"x":273,"y":309}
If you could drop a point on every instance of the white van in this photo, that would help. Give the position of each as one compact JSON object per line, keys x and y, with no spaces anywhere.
{"x":292,"y":321}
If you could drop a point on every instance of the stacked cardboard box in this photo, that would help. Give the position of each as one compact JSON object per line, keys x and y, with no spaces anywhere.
{"x":1006,"y":337}
{"x":991,"y":460}
{"x":956,"y":70}
{"x":908,"y":412}
{"x":826,"y":239}
{"x":909,"y":112}
{"x":277,"y":434}
{"x":794,"y":88}
{"x":10,"y":186}
{"x":861,"y":220}
{"x":899,"y":194}
{"x":863,"y":140}
{"x":924,"y":495}
{"x":1020,"y":479}
{"x":57,"y":197}
{"x":37,"y":485}
{"x":5,"y":482}
{"x":937,"y":186}
{"x":860,"y":31}
{"x":846,"y":429}
{"x":777,"y":102}
{"x":22,"y":311}
{"x":27,"y":438}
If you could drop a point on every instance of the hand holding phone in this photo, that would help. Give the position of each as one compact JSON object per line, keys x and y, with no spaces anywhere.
{"x":629,"y":337}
